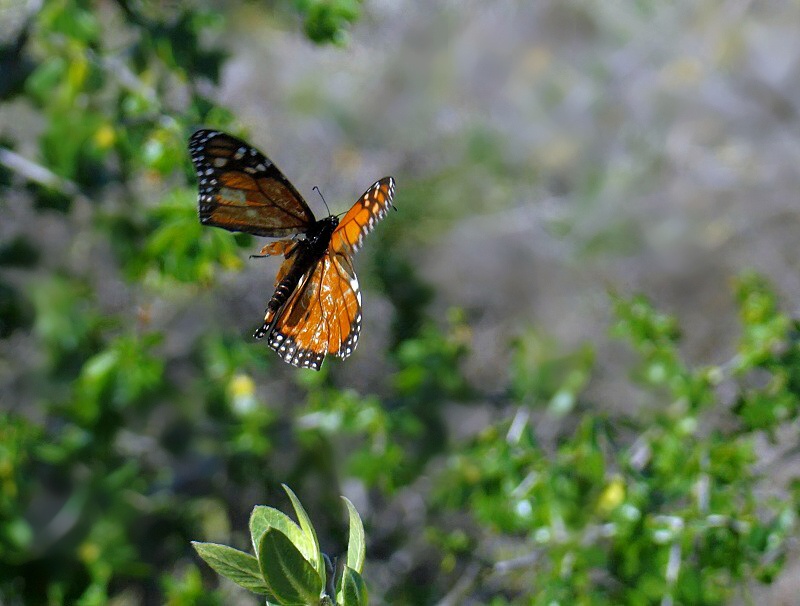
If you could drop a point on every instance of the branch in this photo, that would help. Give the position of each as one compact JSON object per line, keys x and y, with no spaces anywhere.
{"x":461,"y":588}
{"x":37,"y":173}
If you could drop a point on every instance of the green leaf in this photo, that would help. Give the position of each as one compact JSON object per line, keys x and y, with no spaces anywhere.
{"x":288,"y":574}
{"x":326,"y":20}
{"x":353,"y":591}
{"x":238,"y":566}
{"x":308,"y":529}
{"x":356,"y":544}
{"x":263,"y":518}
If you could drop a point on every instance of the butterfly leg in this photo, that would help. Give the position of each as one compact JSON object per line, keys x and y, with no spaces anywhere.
{"x":282,"y":247}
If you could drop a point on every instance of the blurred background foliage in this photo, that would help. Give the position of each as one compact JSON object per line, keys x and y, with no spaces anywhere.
{"x":500,"y":448}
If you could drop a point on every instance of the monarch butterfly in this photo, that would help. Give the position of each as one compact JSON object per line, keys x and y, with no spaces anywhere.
{"x":316,"y":307}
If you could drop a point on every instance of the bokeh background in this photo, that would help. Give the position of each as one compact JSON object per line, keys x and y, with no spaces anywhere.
{"x":551,"y":157}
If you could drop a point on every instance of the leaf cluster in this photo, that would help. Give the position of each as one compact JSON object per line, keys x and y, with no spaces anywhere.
{"x":289,"y":568}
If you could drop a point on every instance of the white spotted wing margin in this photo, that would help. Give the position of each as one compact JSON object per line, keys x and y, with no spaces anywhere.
{"x":322,"y":316}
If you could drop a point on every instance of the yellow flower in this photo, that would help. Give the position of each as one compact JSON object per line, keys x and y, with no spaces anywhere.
{"x":105,"y":136}
{"x":613,"y":495}
{"x":242,"y":391}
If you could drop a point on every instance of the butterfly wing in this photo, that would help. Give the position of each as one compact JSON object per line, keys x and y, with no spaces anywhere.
{"x":242,"y":190}
{"x":321,"y":317}
{"x":362,"y":217}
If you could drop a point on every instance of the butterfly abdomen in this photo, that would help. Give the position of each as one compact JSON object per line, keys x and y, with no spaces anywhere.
{"x":303,"y":262}
{"x":309,"y":251}
{"x":281,"y":294}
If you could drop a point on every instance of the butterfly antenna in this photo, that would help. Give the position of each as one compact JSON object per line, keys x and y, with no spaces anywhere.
{"x":316,"y":189}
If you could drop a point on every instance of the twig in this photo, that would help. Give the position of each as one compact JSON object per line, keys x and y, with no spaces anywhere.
{"x":464,"y":584}
{"x":525,"y":561}
{"x":37,"y":173}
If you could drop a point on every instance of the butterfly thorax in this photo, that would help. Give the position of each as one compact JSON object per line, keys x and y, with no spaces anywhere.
{"x":319,"y":235}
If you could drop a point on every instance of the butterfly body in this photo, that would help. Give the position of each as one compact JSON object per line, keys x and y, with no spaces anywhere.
{"x":304,"y":254}
{"x":315,"y":309}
